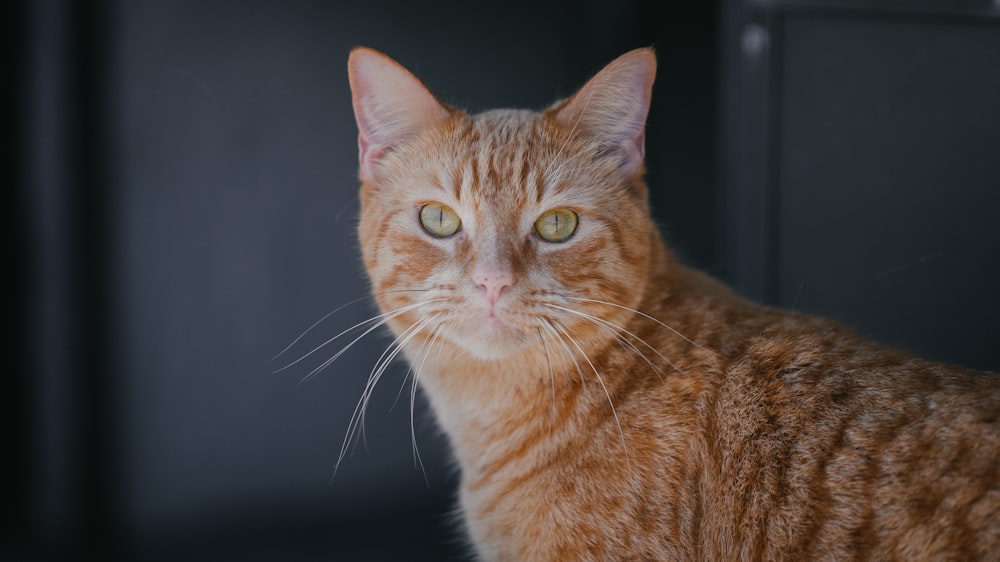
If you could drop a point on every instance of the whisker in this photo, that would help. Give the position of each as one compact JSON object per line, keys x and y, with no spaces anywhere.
{"x":383,"y":362}
{"x":640,"y":313}
{"x":549,"y":324}
{"x":336,"y":310}
{"x":317,"y":323}
{"x":607,"y":394}
{"x":381,"y":365}
{"x":569,"y":138}
{"x":614,"y":329}
{"x":411,"y":370}
{"x":376,"y":321}
{"x":413,"y":398}
{"x":552,"y":376}
{"x":553,"y":175}
{"x":383,"y":320}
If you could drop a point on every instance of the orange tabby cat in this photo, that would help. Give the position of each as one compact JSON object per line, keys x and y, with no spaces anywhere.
{"x":605,"y":402}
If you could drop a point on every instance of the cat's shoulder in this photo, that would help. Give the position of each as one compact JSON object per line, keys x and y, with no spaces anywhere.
{"x":791,"y":347}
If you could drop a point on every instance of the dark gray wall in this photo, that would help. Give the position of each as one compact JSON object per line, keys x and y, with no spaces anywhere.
{"x":889,"y":180}
{"x":860,"y":171}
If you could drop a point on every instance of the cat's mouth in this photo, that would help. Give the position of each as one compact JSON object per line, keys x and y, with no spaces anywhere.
{"x":495,"y":326}
{"x":491,"y":334}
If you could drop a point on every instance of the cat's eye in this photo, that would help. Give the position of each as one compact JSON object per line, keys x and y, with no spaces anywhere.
{"x":556,"y":225}
{"x":439,"y":220}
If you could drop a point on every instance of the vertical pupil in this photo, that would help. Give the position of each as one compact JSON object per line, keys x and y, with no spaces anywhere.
{"x":556,"y":217}
{"x":440,"y":217}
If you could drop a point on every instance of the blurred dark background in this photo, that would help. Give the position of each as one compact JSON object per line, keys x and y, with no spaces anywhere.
{"x":182,"y":206}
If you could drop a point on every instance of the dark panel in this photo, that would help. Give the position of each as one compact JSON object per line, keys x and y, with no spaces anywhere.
{"x":889,"y":179}
{"x":14,"y":395}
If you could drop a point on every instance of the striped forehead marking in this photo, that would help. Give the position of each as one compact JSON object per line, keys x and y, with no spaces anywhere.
{"x":504,"y":156}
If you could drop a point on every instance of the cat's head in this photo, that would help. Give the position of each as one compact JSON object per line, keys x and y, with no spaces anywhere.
{"x":501,"y":230}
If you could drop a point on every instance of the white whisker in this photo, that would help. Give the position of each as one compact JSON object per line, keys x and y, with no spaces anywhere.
{"x":381,"y":365}
{"x":413,"y":398}
{"x":549,"y":324}
{"x":336,"y":310}
{"x":375,"y":322}
{"x":616,"y":331}
{"x":640,"y":313}
{"x":552,"y":375}
{"x":607,"y":394}
{"x":378,"y":369}
{"x":569,"y":138}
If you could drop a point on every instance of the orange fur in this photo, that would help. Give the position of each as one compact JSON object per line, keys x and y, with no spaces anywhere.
{"x":613,"y":404}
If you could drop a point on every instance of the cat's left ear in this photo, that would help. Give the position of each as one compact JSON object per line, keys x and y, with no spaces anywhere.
{"x":390,"y":105}
{"x":613,"y":105}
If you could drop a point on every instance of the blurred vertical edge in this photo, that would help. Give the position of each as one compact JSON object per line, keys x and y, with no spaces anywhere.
{"x":62,"y":401}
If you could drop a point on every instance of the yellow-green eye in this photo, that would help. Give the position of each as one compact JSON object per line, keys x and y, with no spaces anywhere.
{"x":439,"y":220}
{"x":556,"y":225}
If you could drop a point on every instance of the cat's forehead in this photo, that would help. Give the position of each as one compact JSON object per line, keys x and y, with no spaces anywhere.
{"x":500,"y":118}
{"x":503,"y":134}
{"x":508,"y":155}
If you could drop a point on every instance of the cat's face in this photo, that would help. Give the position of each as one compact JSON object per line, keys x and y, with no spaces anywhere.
{"x":502,"y":230}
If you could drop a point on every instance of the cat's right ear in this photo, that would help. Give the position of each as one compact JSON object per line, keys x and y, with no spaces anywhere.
{"x":612,"y":107}
{"x":390,"y":105}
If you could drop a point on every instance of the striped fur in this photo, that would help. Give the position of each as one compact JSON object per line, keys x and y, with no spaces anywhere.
{"x":615,"y":405}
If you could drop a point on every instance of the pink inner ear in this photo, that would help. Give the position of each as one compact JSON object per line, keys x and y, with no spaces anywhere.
{"x":633,"y":153}
{"x":612,"y":106}
{"x":369,"y":152}
{"x":390,"y":105}
{"x":368,"y":156}
{"x":363,"y":147}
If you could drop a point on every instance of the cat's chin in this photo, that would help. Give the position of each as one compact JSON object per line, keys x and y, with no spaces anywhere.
{"x":491,"y":339}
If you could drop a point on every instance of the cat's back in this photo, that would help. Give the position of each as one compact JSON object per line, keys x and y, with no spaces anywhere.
{"x":823,"y":443}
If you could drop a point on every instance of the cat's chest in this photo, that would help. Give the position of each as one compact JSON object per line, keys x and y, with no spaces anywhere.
{"x":581,"y":510}
{"x":596,"y":491}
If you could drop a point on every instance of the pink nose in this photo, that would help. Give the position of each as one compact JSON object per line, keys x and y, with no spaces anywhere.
{"x":494,"y":280}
